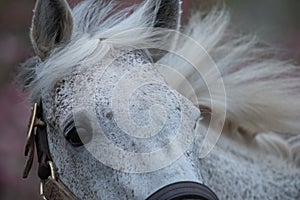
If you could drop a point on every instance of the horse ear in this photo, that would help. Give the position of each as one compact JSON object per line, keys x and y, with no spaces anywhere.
{"x":168,"y":14}
{"x":52,"y":25}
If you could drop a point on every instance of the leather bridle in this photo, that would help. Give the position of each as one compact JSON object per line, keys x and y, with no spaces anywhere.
{"x":50,"y":185}
{"x":52,"y":188}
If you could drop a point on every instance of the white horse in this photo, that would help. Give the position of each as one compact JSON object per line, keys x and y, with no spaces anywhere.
{"x":116,"y":129}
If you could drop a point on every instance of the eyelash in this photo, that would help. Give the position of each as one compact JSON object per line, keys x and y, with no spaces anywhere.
{"x":69,"y":125}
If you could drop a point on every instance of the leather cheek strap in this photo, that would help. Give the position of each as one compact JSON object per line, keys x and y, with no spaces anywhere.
{"x":42,"y":149}
{"x":53,"y":189}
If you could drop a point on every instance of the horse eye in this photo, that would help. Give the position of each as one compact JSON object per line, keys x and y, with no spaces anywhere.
{"x":78,"y":136}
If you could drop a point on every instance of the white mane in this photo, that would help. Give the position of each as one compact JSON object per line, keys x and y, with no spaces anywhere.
{"x":262,"y":92}
{"x":93,"y":37}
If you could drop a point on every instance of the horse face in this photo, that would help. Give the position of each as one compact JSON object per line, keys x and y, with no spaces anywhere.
{"x":116,"y":130}
{"x":133,"y":131}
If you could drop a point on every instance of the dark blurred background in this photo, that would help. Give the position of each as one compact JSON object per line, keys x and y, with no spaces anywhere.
{"x":276,"y":22}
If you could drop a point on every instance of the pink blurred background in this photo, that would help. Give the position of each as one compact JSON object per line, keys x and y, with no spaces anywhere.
{"x":276,"y":22}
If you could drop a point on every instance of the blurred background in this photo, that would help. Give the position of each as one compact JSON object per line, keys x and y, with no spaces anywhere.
{"x":276,"y":22}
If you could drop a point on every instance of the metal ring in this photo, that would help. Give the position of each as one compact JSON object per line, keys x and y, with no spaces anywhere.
{"x":42,"y":182}
{"x":52,"y":168}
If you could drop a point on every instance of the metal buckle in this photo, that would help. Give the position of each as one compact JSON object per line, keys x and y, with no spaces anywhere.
{"x":42,"y":182}
{"x":52,"y":188}
{"x":29,"y":145}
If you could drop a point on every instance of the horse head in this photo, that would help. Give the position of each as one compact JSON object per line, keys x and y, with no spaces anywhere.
{"x":116,"y":130}
{"x":124,"y":100}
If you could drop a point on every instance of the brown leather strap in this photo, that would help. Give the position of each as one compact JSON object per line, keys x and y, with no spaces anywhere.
{"x":53,"y":189}
{"x":43,"y":153}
